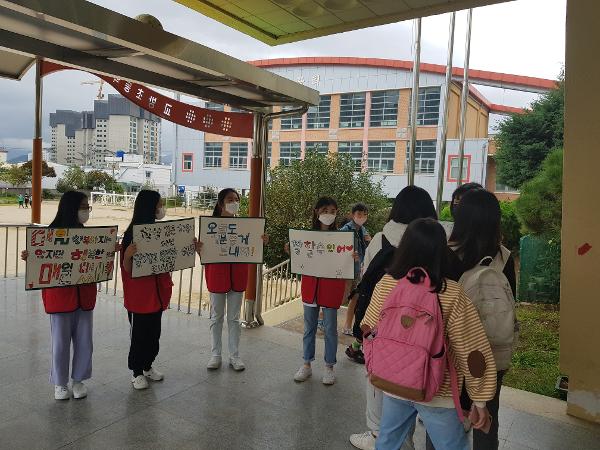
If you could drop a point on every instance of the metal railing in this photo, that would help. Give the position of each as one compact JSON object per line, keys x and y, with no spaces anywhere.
{"x":112,"y":199}
{"x":190,"y":294}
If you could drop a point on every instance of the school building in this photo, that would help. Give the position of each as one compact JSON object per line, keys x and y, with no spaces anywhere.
{"x":364,"y":111}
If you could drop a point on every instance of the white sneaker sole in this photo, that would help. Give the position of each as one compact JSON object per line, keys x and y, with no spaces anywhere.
{"x":79,"y":396}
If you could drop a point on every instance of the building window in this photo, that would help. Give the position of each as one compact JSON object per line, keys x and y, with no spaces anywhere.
{"x":428,"y":112}
{"x":381,"y":156}
{"x":321,"y":147}
{"x":318,"y":116}
{"x":453,"y":161}
{"x":354,"y":149}
{"x":238,"y":155}
{"x":291,"y":123}
{"x":187,"y":162}
{"x":214,"y":106}
{"x":269,"y":151}
{"x":504,"y":188}
{"x":148,"y":174}
{"x":288,"y":152}
{"x":425,"y":152}
{"x":352,"y":110}
{"x":384,"y":109}
{"x":213,"y":153}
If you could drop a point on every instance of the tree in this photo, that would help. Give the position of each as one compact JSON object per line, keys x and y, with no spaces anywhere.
{"x":15,"y":175}
{"x":292,"y":191}
{"x":74,"y":178}
{"x":524,"y":140}
{"x":94,"y":180}
{"x":47,"y":171}
{"x":540,"y":205}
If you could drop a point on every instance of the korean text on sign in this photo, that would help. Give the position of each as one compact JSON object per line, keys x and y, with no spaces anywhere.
{"x":163,"y":247}
{"x":325,"y":254}
{"x":60,"y":257}
{"x":232,"y":240}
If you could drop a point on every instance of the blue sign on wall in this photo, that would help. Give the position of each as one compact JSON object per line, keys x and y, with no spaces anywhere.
{"x":181,"y":189}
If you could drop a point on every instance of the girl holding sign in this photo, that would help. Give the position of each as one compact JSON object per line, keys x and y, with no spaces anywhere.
{"x":320,"y":293}
{"x":71,"y":311}
{"x":226,"y":284}
{"x":146,"y":297}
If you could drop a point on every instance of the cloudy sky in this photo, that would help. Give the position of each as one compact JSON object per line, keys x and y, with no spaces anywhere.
{"x":524,"y":37}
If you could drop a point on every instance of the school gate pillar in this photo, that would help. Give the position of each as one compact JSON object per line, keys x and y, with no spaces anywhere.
{"x":580,"y":294}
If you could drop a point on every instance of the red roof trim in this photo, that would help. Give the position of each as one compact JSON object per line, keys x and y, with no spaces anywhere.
{"x":474,"y":75}
{"x":503,"y":109}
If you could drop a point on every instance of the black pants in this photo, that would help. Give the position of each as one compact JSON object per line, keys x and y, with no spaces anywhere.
{"x":481,"y":440}
{"x":145,"y":337}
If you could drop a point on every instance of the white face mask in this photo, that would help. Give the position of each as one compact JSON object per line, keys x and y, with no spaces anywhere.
{"x":360,"y":221}
{"x":83,"y":215}
{"x":232,"y":208}
{"x":161,"y":213}
{"x":327,"y":219}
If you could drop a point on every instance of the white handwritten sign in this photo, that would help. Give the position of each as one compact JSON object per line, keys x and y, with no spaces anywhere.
{"x":232,"y":239}
{"x":60,"y":257}
{"x":163,"y":247}
{"x":325,"y":254}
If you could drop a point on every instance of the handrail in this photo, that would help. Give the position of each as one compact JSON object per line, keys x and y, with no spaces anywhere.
{"x":279,"y":284}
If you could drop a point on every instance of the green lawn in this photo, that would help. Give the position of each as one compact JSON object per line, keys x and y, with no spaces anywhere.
{"x":535,"y":362}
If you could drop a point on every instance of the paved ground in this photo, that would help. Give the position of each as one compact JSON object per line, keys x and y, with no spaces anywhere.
{"x":261,"y":408}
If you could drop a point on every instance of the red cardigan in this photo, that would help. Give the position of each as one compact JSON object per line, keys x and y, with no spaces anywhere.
{"x":326,"y":292}
{"x":69,"y":299}
{"x":222,"y":278}
{"x":146,"y":295}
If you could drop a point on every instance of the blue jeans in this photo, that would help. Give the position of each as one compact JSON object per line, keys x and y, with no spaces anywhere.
{"x":442,"y":424}
{"x":311,"y":316}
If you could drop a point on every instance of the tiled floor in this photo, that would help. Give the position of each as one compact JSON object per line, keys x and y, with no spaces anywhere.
{"x":261,"y":408}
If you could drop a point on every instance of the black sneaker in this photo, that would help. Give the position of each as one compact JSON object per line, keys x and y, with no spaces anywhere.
{"x":355,"y":355}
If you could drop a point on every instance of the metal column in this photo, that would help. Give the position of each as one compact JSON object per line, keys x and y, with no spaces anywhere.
{"x":256,"y":188}
{"x":464,"y":101}
{"x":444,"y":137}
{"x":258,"y":181}
{"x":414,"y":103}
{"x":36,"y":160}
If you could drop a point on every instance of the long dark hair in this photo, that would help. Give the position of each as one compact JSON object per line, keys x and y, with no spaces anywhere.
{"x":68,"y":209}
{"x":422,"y":245}
{"x":476,"y":233}
{"x":218,"y":211}
{"x":144,"y":212}
{"x":459,"y":192}
{"x":412,"y":203}
{"x":321,"y":203}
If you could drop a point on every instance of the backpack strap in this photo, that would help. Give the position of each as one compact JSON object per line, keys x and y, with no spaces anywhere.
{"x":454,"y":384}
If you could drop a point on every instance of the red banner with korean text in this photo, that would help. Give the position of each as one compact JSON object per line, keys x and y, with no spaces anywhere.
{"x":201,"y":119}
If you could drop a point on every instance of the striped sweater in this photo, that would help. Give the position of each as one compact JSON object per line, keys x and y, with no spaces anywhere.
{"x":468,"y":344}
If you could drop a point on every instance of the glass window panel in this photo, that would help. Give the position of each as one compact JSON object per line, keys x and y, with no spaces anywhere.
{"x":352,"y":110}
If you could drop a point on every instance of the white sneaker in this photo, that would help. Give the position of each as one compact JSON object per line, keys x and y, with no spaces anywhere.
{"x":214,"y":363}
{"x":237,"y":364}
{"x":328,"y":376}
{"x":154,"y":374}
{"x":139,"y":382}
{"x":79,"y":390}
{"x":61,"y":393}
{"x":303,"y":374}
{"x":364,"y":441}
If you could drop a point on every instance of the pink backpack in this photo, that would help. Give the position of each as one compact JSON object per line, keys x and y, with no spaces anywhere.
{"x":406,"y":353}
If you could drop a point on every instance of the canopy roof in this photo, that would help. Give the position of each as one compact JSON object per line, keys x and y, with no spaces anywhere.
{"x":87,"y":36}
{"x":282,"y":21}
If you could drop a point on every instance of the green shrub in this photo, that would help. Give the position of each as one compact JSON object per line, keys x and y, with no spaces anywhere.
{"x":510,"y":226}
{"x":293,"y":190}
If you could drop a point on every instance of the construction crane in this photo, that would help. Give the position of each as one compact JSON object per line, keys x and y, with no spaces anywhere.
{"x":100,"y":95}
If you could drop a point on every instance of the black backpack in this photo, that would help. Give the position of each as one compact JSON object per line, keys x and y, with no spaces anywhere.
{"x":371,"y":277}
